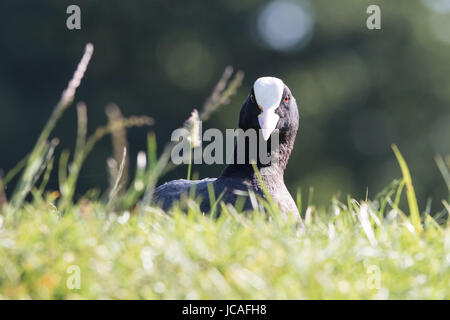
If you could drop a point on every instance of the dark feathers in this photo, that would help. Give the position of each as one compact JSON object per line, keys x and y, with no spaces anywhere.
{"x":237,"y":179}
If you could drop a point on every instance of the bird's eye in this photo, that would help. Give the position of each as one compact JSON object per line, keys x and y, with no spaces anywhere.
{"x":252,"y":99}
{"x":287,"y":98}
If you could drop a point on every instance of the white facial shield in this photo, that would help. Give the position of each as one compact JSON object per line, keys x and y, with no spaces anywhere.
{"x":268,"y":94}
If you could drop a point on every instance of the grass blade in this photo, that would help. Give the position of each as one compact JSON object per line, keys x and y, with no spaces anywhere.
{"x":36,"y":158}
{"x":411,"y":195}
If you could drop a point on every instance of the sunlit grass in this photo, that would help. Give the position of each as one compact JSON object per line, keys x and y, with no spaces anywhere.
{"x":125,"y":247}
{"x":186,"y":255}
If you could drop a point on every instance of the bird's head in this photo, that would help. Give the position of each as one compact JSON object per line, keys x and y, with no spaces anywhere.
{"x":269,"y":106}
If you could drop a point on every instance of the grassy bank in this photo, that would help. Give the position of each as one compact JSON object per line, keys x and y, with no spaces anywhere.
{"x":352,"y":251}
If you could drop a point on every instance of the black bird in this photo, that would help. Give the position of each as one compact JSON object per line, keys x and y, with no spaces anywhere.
{"x":269,"y":106}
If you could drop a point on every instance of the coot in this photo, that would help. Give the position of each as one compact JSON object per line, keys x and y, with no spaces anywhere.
{"x":268,"y":107}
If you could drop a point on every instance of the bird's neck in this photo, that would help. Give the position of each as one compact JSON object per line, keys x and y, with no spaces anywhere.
{"x":271,"y":172}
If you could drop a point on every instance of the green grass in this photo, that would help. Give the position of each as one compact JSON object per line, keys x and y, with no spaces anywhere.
{"x":124,"y":247}
{"x":157,"y":255}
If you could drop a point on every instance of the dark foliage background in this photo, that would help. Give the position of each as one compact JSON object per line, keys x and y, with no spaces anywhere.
{"x":358,"y":90}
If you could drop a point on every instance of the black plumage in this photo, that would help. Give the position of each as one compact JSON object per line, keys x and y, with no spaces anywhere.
{"x":237,"y":179}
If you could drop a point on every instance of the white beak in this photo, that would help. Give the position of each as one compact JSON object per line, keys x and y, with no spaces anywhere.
{"x":268,"y":120}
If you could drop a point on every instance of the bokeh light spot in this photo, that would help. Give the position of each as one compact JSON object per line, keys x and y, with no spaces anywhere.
{"x":440,"y":6}
{"x":285,"y":25}
{"x":440,"y":26}
{"x":188,"y":63}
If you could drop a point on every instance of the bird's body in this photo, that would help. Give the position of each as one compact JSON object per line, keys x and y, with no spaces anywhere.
{"x":227,"y":189}
{"x":268,"y":107}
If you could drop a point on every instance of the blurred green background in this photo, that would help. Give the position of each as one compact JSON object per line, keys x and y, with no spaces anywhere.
{"x":358,"y":90}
